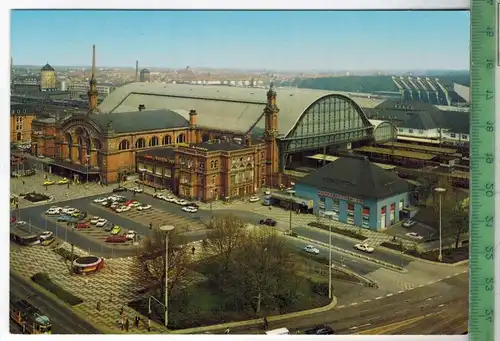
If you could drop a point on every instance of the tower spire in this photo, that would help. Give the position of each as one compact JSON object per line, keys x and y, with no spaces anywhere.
{"x":93,"y":61}
{"x":93,"y":86}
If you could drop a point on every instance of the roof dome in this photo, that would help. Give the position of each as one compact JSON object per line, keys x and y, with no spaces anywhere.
{"x":145,"y":71}
{"x":47,"y":67}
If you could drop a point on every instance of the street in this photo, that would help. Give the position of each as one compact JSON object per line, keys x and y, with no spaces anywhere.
{"x":445,"y":303}
{"x":64,"y":321}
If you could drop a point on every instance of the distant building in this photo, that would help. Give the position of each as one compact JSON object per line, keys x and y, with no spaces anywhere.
{"x":145,"y":75}
{"x":47,"y":78}
{"x":21,"y":117}
{"x":79,"y":89}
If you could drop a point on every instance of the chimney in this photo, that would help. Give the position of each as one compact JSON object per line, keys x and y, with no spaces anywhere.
{"x":248,"y":140}
{"x":141,"y":107}
{"x":136,"y":70}
{"x":192,"y":118}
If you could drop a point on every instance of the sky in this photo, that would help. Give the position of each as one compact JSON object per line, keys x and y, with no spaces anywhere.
{"x":273,"y":40}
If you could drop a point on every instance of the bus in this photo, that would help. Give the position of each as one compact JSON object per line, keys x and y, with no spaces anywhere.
{"x":31,"y":320}
{"x":21,"y":236}
{"x":267,"y":200}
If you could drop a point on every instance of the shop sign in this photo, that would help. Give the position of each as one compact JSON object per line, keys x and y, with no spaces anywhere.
{"x":338,"y":196}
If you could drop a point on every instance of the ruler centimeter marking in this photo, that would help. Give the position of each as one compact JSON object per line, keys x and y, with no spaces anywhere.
{"x":482,"y":169}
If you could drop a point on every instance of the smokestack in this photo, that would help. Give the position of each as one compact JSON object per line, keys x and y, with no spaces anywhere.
{"x":136,"y":70}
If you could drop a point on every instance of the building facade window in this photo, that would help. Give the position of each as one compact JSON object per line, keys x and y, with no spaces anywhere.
{"x":421,"y":132}
{"x":410,"y":131}
{"x":465,"y":137}
{"x":214,"y":179}
{"x":453,"y":135}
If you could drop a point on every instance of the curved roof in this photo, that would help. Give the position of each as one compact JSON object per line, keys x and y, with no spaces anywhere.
{"x":47,"y":67}
{"x":377,"y":123}
{"x":221,"y":107}
{"x":137,"y":121}
{"x":144,"y":71}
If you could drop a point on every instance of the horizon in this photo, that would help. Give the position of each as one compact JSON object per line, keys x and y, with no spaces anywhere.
{"x":378,"y":41}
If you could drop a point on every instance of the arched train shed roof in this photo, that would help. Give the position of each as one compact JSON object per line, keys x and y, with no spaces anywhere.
{"x":224,"y":107}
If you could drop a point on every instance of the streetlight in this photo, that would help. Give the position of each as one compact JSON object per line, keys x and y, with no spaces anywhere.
{"x":440,"y":192}
{"x":87,"y":156}
{"x":166,"y":229}
{"x":329,"y":214}
{"x":290,"y":219}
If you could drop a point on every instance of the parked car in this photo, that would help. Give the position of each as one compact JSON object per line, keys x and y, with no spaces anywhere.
{"x":181,"y":202}
{"x":254,"y":198}
{"x":65,"y":209}
{"x":170,"y":198}
{"x":267,"y":192}
{"x":47,"y":241}
{"x":159,"y":196}
{"x":116,"y":239}
{"x":364,"y":247}
{"x":137,"y":190}
{"x":64,"y":218}
{"x":409,"y":223}
{"x":123,"y":209}
{"x":119,"y":189}
{"x":76,"y":214}
{"x":135,"y":204}
{"x":108,"y":227}
{"x":45,"y":235}
{"x":131,"y":235}
{"x":99,"y":200}
{"x":269,"y":222}
{"x":320,"y":330}
{"x":190,"y":209}
{"x":94,"y":220}
{"x":143,"y":207}
{"x":193,"y":204}
{"x":116,"y":229}
{"x":52,"y":211}
{"x":63,"y":181}
{"x":48,"y":182}
{"x":101,"y":222}
{"x":414,"y":235}
{"x":82,"y":225}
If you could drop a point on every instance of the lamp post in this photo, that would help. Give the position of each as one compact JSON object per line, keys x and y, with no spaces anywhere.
{"x":440,"y":191}
{"x":329,"y":214}
{"x":87,"y":157}
{"x":166,"y":229}
{"x":290,"y":218}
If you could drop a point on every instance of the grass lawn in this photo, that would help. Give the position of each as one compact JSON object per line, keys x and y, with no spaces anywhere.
{"x":202,"y":304}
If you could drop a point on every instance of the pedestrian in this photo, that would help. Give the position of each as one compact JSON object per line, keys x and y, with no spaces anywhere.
{"x":126,"y":325}
{"x":137,"y":320}
{"x":266,"y":324}
{"x":121,"y":311}
{"x":24,"y":328}
{"x":150,"y":225}
{"x":193,"y":250}
{"x":98,"y":307}
{"x":149,"y":325}
{"x":86,"y":281}
{"x":227,"y":331}
{"x":110,"y":297}
{"x":24,"y":183}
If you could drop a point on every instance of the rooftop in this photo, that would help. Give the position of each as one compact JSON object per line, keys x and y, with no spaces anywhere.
{"x":356,"y":177}
{"x":47,"y":67}
{"x":165,"y":152}
{"x":145,"y":120}
{"x":213,"y":146}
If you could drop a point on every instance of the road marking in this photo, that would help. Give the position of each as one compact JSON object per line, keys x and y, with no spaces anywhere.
{"x":441,"y":305}
{"x":429,"y":299}
{"x":429,"y":283}
{"x":378,"y":298}
{"x":363,"y":325}
{"x":421,"y":285}
{"x":388,"y":295}
{"x":366,"y":301}
{"x":355,"y":303}
{"x":458,"y":273}
{"x":447,"y":277}
{"x":341,"y":306}
{"x":400,"y":291}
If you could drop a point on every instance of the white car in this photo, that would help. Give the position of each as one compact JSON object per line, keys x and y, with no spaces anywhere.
{"x":21,"y":222}
{"x":311,"y":249}
{"x":52,"y":211}
{"x":135,"y":204}
{"x":364,"y":247}
{"x":267,"y":192}
{"x":181,"y":202}
{"x":115,"y":204}
{"x":104,"y":203}
{"x":71,"y":210}
{"x":131,"y":234}
{"x":409,"y":223}
{"x":123,"y":209}
{"x":254,"y":198}
{"x":65,"y":209}
{"x":160,"y":196}
{"x":414,"y":235}
{"x":99,"y":200}
{"x":190,"y":209}
{"x":101,"y":222}
{"x":170,"y":198}
{"x":143,"y":207}
{"x":136,"y":190}
{"x":94,"y":220}
{"x":45,"y":235}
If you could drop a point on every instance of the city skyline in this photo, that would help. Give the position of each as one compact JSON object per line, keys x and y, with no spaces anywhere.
{"x":277,"y":40}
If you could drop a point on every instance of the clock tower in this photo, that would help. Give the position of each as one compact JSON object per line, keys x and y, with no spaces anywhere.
{"x":270,"y":135}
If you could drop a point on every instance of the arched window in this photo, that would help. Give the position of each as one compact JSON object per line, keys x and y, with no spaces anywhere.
{"x":167,"y":139}
{"x":19,"y":136}
{"x":140,"y":143}
{"x":181,"y":138}
{"x":212,"y":164}
{"x":153,"y":141}
{"x":216,"y":164}
{"x":124,"y":145}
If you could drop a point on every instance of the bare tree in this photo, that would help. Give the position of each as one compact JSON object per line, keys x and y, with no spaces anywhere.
{"x":151,"y":260}
{"x":260,"y":265}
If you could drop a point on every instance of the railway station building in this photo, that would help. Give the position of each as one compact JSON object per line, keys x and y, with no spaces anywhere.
{"x":355,"y":191}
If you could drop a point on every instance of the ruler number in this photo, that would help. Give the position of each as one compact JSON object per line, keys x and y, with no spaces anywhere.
{"x":489,"y":95}
{"x":489,"y":64}
{"x":489,"y":158}
{"x":489,"y":221}
{"x":489,"y":2}
{"x":489,"y":127}
{"x":489,"y":190}
{"x":490,"y":32}
{"x":488,"y":284}
{"x":488,"y":315}
{"x":489,"y":252}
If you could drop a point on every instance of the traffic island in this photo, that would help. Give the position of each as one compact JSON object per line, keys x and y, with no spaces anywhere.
{"x":88,"y":264}
{"x":36,"y":197}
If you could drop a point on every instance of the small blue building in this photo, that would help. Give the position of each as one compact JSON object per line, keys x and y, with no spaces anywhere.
{"x":355,"y":191}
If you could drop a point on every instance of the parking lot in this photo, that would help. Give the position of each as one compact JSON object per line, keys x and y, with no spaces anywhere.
{"x":424,"y":231}
{"x":98,"y":234}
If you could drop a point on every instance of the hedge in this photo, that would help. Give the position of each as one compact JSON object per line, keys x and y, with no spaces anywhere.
{"x":44,"y":281}
{"x":343,"y":232}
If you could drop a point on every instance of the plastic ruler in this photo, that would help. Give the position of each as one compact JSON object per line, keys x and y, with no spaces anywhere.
{"x":484,"y":64}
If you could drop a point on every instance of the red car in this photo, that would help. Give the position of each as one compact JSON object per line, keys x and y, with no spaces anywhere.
{"x":129,"y":202}
{"x":116,"y":239}
{"x":82,"y":225}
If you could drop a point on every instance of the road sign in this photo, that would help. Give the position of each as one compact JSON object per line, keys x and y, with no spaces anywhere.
{"x":484,"y":38}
